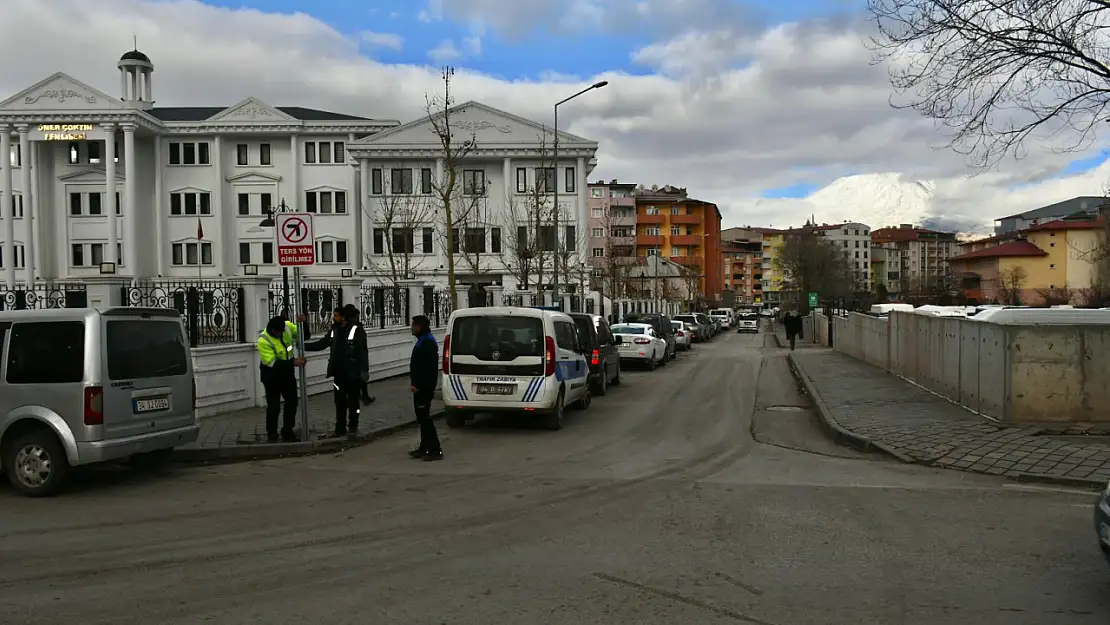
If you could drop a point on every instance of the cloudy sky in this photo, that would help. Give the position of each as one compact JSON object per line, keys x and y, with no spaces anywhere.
{"x":753,"y":105}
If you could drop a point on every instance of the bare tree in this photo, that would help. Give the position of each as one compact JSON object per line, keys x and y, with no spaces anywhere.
{"x":447,"y":190}
{"x":529,"y":222}
{"x":399,"y":222}
{"x":473,"y":235}
{"x":994,"y":72}
{"x":1010,"y":282}
{"x":1055,"y":296}
{"x":691,"y":280}
{"x":568,"y":258}
{"x":811,"y":264}
{"x":616,"y":259}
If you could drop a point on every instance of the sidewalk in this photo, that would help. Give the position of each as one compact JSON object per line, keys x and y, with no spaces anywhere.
{"x":242,"y":434}
{"x":870,"y":408}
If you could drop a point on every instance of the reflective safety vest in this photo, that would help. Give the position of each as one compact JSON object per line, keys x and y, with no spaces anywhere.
{"x":268,"y":350}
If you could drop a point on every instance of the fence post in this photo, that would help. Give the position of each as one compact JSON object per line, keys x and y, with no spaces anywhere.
{"x":192,"y":310}
{"x":498,"y":292}
{"x":350,"y":291}
{"x":414,"y":289}
{"x":240,"y":314}
{"x":379,"y":306}
{"x":106,"y":291}
{"x":254,"y":300}
{"x":462,"y":293}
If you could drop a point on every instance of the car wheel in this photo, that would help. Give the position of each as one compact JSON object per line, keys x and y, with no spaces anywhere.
{"x":651,"y":362}
{"x":455,"y":419}
{"x":584,"y":403}
{"x":617,"y":377}
{"x":554,"y":420}
{"x":36,"y":464}
{"x":602,"y":386}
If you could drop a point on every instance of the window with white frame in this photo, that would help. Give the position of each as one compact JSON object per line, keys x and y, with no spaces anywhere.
{"x":426,"y":181}
{"x":652,"y":231}
{"x":326,"y":202}
{"x":256,"y":253}
{"x":676,"y":231}
{"x":570,"y":181}
{"x":474,"y":182}
{"x":651,"y":210}
{"x":191,"y":254}
{"x":185,"y":203}
{"x":521,"y":180}
{"x":598,"y":273}
{"x":249,"y":203}
{"x":545,"y":180}
{"x":376,"y":181}
{"x":94,"y":153}
{"x":17,"y":205}
{"x":90,"y":203}
{"x":92,"y":254}
{"x":597,"y":212}
{"x":597,"y":192}
{"x":190,"y":153}
{"x":653,"y":251}
{"x":331,"y":251}
{"x":400,"y":181}
{"x":20,"y":256}
{"x":16,"y":155}
{"x":599,"y":252}
{"x":597,"y":233}
{"x":324,"y":152}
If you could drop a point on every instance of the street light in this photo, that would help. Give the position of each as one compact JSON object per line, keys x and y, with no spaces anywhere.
{"x":596,"y":85}
{"x":269,"y":222}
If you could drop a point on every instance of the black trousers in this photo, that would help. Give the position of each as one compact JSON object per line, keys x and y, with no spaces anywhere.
{"x":429,"y":438}
{"x":280,"y":385}
{"x":793,"y":337}
{"x":347,"y":406}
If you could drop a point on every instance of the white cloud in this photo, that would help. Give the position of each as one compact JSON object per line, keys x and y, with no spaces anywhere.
{"x":383,"y":40}
{"x":731,"y":116}
{"x":445,"y":51}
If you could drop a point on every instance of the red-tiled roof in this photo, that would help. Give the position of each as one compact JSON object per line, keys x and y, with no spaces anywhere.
{"x":998,"y":237}
{"x":1069,"y":224}
{"x":1013,"y":248}
{"x":892,"y":235}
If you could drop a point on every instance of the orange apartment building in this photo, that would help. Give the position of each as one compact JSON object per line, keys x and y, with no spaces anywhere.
{"x":685,"y":230}
{"x":742,"y":264}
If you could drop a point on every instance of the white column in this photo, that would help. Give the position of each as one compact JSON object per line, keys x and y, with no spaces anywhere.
{"x":130,"y":212}
{"x":110,"y":188}
{"x":583,"y":207}
{"x":28,"y":204}
{"x":510,"y":182}
{"x":295,"y":175}
{"x":123,"y":83}
{"x":159,"y":214}
{"x":135,"y":93}
{"x":221,"y":246}
{"x":146,"y":87}
{"x":366,"y":214}
{"x":31,"y":211}
{"x":6,"y":200}
{"x":439,"y":171}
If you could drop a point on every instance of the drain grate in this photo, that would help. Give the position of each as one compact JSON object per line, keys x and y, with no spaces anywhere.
{"x":785,"y":408}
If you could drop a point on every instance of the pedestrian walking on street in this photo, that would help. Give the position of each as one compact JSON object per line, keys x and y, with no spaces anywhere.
{"x":423,"y":376}
{"x":792,"y":323}
{"x":277,"y":369}
{"x":348,"y":368}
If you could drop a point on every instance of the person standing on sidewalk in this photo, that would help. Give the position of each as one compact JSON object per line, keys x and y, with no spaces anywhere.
{"x":277,"y":369}
{"x":348,"y":368}
{"x":355,"y":315}
{"x":792,"y":323}
{"x":423,"y":377}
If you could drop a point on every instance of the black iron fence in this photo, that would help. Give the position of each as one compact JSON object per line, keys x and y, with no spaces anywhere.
{"x":213,"y":311}
{"x":385,"y":306}
{"x":318,"y":300}
{"x":437,"y":306}
{"x":43,"y":295}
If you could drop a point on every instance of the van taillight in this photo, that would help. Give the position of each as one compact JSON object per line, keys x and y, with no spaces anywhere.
{"x":94,"y":405}
{"x":549,"y":368}
{"x":595,"y":359}
{"x":447,"y":354}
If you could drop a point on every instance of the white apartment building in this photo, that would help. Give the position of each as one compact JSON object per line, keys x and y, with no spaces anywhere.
{"x":854,"y":241}
{"x":101,"y":184}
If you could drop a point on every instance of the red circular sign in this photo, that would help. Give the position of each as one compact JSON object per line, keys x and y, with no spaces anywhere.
{"x":295,"y":230}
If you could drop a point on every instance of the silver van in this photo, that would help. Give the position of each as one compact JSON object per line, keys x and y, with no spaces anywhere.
{"x":80,"y":386}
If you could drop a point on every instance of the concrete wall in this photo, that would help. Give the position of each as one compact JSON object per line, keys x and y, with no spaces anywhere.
{"x":1024,"y":374}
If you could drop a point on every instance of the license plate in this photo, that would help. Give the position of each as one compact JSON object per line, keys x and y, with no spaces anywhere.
{"x":151,"y":405}
{"x":496,"y":389}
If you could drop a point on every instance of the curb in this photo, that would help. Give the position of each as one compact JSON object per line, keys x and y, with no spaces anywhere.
{"x":839,"y":434}
{"x":263,"y":451}
{"x":1058,"y":480}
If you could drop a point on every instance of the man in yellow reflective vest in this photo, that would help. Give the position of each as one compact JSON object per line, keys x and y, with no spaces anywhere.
{"x":277,"y":363}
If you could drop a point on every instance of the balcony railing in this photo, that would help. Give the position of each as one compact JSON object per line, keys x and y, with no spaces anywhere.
{"x":685,"y":239}
{"x":692,"y":261}
{"x":685,"y":219}
{"x":651,"y":219}
{"x":649,"y":239}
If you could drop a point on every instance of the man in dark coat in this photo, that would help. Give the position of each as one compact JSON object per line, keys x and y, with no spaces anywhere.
{"x":423,"y":377}
{"x":792,"y":323}
{"x":348,"y":367}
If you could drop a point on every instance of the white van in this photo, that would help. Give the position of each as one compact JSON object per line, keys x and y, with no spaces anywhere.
{"x":724,"y":315}
{"x":522,"y":360}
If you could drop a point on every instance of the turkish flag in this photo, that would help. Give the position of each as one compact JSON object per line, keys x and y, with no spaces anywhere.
{"x":200,"y":229}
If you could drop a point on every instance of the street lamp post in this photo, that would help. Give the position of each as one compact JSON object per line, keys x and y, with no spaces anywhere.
{"x":555,"y":150}
{"x":269,"y":222}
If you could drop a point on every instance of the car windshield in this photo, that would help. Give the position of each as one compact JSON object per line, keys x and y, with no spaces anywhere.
{"x":508,"y":336}
{"x":627,"y":330}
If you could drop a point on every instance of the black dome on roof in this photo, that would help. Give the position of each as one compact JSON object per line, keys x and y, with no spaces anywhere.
{"x":135,"y":55}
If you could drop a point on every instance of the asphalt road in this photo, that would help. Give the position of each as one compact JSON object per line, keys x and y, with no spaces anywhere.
{"x":701,"y":493}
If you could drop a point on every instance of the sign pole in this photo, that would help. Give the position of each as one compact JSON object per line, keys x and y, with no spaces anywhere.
{"x":302,"y":374}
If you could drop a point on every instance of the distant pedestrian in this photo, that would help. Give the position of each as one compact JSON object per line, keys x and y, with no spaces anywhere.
{"x":423,"y":377}
{"x":348,"y":367}
{"x":792,"y":323}
{"x":277,"y":369}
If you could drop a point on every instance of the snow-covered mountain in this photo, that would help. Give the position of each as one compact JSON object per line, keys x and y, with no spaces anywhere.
{"x":881,"y":200}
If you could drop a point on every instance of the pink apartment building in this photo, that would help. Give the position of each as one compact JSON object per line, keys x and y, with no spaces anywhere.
{"x":612,"y":234}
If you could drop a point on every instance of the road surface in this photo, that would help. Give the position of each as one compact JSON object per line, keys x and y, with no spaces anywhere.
{"x":701,"y":493}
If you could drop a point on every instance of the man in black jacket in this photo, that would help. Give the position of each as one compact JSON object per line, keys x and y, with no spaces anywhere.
{"x":348,"y":367}
{"x":423,"y":376}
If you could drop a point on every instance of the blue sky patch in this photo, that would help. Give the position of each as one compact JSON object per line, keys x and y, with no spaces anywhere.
{"x":799,"y":190}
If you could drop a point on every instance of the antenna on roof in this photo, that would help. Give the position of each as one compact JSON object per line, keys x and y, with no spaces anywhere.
{"x":135,"y":42}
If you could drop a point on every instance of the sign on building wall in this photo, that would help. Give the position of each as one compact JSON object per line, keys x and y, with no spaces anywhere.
{"x":66,"y":132}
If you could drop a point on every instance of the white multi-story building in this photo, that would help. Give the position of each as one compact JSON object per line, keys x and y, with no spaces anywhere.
{"x":854,"y":241}
{"x":102,"y":184}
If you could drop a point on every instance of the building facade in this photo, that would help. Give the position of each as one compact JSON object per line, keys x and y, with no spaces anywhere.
{"x":612,"y":235}
{"x":742,"y":264}
{"x":916,"y":258}
{"x":1082,"y":207}
{"x":684,"y":230}
{"x":854,"y":241}
{"x":104,"y":184}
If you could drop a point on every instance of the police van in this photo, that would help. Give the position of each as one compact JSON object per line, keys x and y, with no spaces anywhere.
{"x":509,"y":359}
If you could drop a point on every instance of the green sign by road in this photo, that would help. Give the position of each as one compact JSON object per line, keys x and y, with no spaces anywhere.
{"x":813,"y":300}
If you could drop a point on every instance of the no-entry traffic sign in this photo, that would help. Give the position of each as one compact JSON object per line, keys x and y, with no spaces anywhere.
{"x":296,"y":242}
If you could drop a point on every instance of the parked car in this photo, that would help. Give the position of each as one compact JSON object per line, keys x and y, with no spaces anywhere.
{"x":747,"y":323}
{"x":723,"y":316}
{"x":700,"y":330}
{"x":663,"y":329}
{"x":601,"y":351}
{"x":641,"y":343}
{"x":707,"y":321}
{"x":1102,"y":522}
{"x":84,"y":386}
{"x":684,"y":334}
{"x":520,"y":360}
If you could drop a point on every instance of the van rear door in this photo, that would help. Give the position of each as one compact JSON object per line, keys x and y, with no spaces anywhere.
{"x":149,"y":382}
{"x":497,"y":357}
